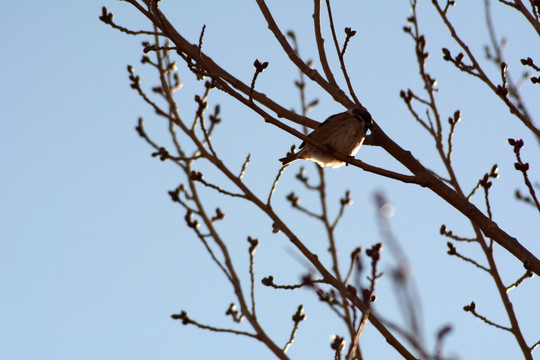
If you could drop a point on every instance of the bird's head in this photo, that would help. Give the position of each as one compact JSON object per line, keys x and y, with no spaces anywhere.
{"x":362,"y":115}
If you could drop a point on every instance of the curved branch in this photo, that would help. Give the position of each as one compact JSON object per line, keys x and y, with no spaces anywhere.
{"x":320,"y":43}
{"x":341,"y":55}
{"x":313,"y":74}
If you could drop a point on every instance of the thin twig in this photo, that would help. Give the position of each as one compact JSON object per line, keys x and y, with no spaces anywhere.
{"x":486,"y":198}
{"x":341,"y":54}
{"x":274,"y":184}
{"x":259,"y":68}
{"x":528,"y":274}
{"x":452,"y":251}
{"x":219,"y":189}
{"x":297,"y":318}
{"x":187,"y":320}
{"x":269,"y":281}
{"x":107,"y":18}
{"x":344,"y":202}
{"x":450,"y":234}
{"x":523,"y":168}
{"x":374,"y":254}
{"x":253,"y":243}
{"x":244,"y":167}
{"x":472,"y":309}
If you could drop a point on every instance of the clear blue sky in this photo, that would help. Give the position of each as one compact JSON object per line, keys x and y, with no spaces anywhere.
{"x":94,"y":257}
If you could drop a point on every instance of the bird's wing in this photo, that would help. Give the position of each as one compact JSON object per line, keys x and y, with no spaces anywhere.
{"x":321,"y":125}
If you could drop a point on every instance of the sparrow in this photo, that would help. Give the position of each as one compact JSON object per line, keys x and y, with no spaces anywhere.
{"x":344,"y":133}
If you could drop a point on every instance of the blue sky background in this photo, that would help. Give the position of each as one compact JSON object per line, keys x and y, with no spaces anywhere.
{"x":94,"y":257}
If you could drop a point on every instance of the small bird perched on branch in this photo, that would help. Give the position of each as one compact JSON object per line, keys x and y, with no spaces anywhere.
{"x":343,"y":133}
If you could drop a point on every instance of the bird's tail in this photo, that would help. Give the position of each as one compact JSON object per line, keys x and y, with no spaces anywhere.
{"x":289,"y":158}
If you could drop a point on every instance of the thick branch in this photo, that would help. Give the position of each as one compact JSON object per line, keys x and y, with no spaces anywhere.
{"x":427,"y":179}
